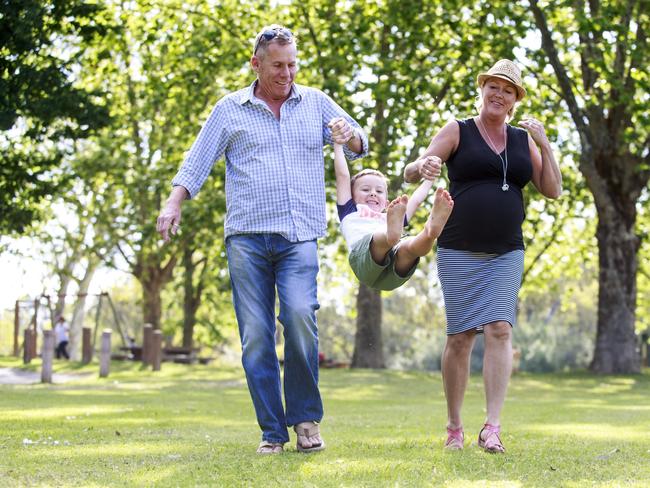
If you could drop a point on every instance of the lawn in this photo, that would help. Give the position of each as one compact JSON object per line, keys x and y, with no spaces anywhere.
{"x":195,"y":426}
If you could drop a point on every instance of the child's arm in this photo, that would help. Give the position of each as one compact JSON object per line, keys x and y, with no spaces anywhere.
{"x":419,"y":195}
{"x":343,"y":189}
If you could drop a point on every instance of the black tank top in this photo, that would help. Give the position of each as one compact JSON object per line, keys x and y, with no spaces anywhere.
{"x":485,"y":218}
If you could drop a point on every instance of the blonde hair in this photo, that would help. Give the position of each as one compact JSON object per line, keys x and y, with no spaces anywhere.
{"x":366,"y":172}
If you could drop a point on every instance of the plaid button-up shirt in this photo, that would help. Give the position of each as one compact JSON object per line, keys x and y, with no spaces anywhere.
{"x":275,"y":178}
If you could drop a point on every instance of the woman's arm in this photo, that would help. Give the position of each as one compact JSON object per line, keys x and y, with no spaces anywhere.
{"x":547,"y":177}
{"x":442,"y":145}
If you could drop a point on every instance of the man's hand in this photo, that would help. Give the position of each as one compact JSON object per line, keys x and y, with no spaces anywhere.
{"x":169,"y":219}
{"x":429,"y":167}
{"x":342,"y":131}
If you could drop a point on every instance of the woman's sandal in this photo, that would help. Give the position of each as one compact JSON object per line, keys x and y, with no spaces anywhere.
{"x":306,"y":432}
{"x":267,"y":447}
{"x":455,"y":439}
{"x":492,"y":442}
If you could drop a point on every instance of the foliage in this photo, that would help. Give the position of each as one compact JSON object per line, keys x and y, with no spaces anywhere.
{"x":595,"y":54}
{"x":164,"y":70}
{"x":195,"y":426}
{"x":42,"y":107}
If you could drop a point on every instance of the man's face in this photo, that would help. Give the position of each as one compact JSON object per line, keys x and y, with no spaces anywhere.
{"x":276,"y":68}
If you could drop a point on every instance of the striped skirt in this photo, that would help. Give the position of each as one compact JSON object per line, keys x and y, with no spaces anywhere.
{"x":479,"y":288}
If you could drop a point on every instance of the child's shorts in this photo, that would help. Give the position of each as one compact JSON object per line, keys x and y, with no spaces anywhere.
{"x":377,"y":276}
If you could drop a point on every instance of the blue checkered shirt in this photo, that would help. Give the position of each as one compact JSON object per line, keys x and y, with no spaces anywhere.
{"x":275,"y":178}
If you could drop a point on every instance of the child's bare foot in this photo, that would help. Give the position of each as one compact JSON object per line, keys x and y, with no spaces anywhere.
{"x":442,"y":207}
{"x":395,"y":219}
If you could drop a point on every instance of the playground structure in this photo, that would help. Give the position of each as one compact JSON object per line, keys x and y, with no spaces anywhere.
{"x":34,"y":322}
{"x":40,"y":312}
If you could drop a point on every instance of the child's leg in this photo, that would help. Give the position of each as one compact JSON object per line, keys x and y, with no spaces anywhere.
{"x":382,"y":242}
{"x":420,"y":245}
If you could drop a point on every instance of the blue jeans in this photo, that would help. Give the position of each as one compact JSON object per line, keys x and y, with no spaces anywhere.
{"x":258,"y":264}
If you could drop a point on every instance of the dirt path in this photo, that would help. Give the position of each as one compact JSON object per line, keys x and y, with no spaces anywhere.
{"x":17,"y":376}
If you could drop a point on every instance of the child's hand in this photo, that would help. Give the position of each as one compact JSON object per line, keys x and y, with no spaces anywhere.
{"x":430,"y":167}
{"x":342,"y":131}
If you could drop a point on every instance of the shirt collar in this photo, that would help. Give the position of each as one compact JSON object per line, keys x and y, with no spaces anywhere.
{"x":248,"y":95}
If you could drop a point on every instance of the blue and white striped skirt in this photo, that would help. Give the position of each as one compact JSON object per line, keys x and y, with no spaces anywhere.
{"x":479,"y":288}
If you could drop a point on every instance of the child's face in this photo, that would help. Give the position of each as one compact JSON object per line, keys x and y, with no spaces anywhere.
{"x":370,"y":190}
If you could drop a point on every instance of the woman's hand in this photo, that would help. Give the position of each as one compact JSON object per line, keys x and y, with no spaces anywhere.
{"x":429,"y":167}
{"x":536,"y":130}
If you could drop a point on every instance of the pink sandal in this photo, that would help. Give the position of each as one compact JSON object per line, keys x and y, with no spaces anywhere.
{"x":492,"y":442}
{"x":455,"y":439}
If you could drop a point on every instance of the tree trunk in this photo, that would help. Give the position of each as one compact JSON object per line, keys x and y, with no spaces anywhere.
{"x":616,"y":344}
{"x":79,"y":311}
{"x":368,"y":346}
{"x":191,"y":298}
{"x":65,"y":277}
{"x":151,"y":303}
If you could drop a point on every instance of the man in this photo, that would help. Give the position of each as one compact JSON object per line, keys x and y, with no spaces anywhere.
{"x":272,"y":134}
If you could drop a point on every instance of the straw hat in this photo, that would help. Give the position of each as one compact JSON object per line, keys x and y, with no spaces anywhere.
{"x":506,"y":70}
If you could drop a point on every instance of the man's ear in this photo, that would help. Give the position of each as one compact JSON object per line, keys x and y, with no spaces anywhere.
{"x":255,"y":63}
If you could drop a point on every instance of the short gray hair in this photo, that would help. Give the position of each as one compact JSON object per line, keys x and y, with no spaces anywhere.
{"x":273,"y":33}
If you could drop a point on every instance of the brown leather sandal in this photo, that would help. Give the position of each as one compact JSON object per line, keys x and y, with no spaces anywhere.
{"x":267,"y":447}
{"x":311,"y":431}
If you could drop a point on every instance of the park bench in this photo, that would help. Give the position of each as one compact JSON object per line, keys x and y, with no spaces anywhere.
{"x":184,"y":355}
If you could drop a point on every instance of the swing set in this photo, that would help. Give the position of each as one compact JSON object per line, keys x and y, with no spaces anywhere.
{"x":40,"y":311}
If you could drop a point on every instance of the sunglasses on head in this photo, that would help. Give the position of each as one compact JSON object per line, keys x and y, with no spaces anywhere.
{"x":269,"y":34}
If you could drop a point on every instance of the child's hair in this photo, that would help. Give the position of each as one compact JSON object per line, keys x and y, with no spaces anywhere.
{"x":365,"y":172}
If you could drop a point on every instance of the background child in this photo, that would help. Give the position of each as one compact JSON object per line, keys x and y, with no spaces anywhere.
{"x":379,"y":257}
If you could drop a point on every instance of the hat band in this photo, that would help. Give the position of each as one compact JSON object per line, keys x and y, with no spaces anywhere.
{"x":506,"y":76}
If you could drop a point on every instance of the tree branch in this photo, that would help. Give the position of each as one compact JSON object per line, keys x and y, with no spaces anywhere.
{"x":563,"y":78}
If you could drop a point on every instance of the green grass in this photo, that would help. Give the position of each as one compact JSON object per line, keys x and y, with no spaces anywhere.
{"x":195,"y":426}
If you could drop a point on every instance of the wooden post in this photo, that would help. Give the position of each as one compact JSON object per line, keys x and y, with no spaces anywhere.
{"x":27,"y":346}
{"x":146,"y":344}
{"x":86,"y":346}
{"x":37,"y":304}
{"x":17,"y":329}
{"x":156,"y":350}
{"x":48,"y":356}
{"x":105,"y":354}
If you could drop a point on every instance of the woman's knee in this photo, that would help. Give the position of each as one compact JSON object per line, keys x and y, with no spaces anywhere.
{"x":460,"y":343}
{"x":498,"y":332}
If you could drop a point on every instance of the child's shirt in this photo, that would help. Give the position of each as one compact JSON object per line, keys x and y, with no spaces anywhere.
{"x":360,"y":220}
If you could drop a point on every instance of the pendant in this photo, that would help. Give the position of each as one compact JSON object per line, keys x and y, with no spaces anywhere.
{"x":505,"y":187}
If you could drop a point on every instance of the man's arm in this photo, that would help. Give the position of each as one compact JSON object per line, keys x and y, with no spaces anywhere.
{"x":342,"y":172}
{"x":347,"y":132}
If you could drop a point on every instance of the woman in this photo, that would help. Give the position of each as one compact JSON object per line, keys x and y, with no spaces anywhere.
{"x":481,"y":250}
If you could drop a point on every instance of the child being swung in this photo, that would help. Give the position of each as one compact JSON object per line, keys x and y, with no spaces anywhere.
{"x":372,"y":226}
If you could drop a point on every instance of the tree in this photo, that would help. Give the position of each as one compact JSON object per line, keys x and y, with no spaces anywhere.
{"x":401,"y":68}
{"x":599,"y":55}
{"x":164,"y":69}
{"x":42,"y":109}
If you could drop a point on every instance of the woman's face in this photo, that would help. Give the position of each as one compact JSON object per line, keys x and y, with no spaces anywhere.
{"x":499,"y":96}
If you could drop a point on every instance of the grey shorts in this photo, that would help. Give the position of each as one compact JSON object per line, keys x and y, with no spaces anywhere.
{"x":377,"y":276}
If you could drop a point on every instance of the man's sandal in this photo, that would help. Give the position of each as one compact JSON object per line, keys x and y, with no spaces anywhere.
{"x":455,"y":439}
{"x":492,"y":442}
{"x":307,"y":432}
{"x":267,"y":447}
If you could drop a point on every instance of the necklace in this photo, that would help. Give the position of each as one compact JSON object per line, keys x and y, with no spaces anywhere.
{"x":504,"y":164}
